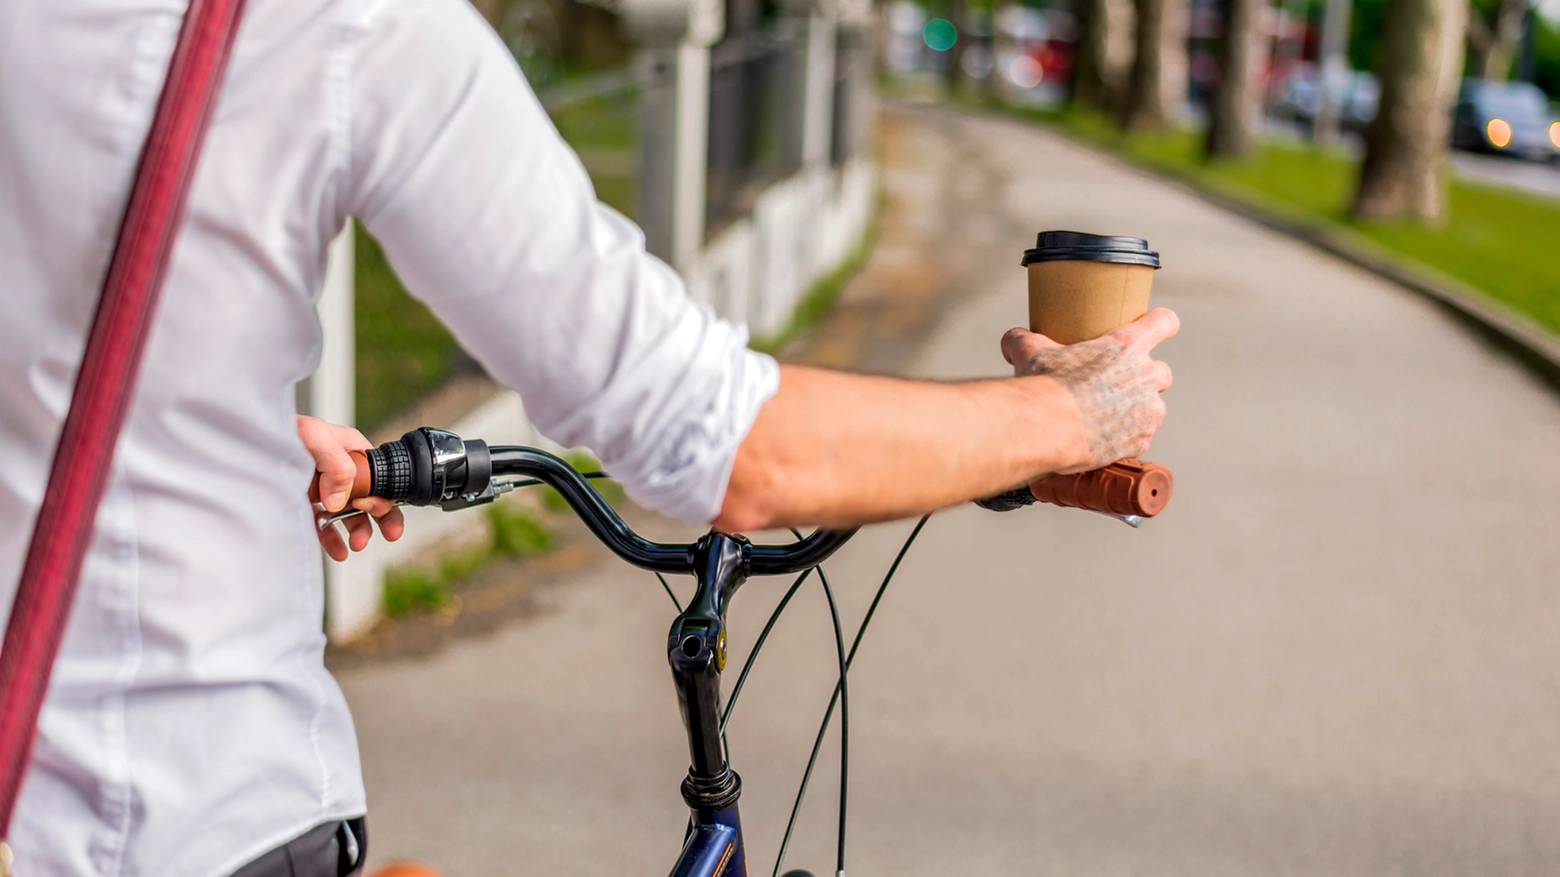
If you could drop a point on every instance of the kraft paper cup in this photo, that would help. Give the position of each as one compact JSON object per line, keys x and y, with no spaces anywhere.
{"x":1084,"y":285}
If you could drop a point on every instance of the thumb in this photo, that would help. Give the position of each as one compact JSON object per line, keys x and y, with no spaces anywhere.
{"x":336,"y":467}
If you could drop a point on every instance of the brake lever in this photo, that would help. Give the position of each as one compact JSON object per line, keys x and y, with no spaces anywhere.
{"x":496,"y":487}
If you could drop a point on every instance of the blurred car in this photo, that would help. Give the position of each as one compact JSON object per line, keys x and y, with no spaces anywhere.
{"x":1354,"y":92}
{"x":1509,"y":118}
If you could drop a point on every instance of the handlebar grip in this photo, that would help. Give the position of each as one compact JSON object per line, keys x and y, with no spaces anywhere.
{"x":1127,"y":487}
{"x":383,"y":471}
{"x":363,"y":482}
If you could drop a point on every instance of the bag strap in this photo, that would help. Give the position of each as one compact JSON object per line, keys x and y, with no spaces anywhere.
{"x":105,"y":384}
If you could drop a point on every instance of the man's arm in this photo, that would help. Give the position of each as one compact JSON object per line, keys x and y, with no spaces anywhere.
{"x":835,"y":449}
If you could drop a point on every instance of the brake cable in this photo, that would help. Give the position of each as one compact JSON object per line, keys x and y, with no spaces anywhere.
{"x":823,"y":727}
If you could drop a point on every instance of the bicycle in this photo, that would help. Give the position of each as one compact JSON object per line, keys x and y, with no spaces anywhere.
{"x":434,"y":467}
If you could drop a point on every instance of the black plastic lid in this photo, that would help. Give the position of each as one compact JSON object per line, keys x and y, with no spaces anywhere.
{"x":1076,"y":246}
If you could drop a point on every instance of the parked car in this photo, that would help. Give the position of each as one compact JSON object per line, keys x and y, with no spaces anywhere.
{"x":1509,"y":118}
{"x":1355,"y":93}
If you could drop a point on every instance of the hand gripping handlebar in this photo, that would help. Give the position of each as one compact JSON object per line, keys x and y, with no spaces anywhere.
{"x":1127,"y":489}
{"x":433,"y":467}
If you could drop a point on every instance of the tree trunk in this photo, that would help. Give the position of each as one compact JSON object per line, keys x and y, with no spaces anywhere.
{"x":1235,"y":116}
{"x":1419,"y":68}
{"x":1089,"y":88}
{"x":1493,"y":44}
{"x":1105,"y":38}
{"x":1157,"y":85}
{"x":958,"y":15}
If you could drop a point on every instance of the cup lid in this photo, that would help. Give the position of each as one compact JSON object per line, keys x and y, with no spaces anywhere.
{"x":1076,"y":246}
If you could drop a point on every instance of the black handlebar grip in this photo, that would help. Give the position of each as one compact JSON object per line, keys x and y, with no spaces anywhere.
{"x":1007,"y":502}
{"x":383,"y":471}
{"x":390,"y":471}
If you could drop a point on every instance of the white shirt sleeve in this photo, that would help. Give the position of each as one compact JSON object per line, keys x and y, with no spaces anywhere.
{"x":488,"y":216}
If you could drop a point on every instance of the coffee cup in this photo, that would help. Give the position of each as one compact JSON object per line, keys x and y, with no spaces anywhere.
{"x":1084,"y":285}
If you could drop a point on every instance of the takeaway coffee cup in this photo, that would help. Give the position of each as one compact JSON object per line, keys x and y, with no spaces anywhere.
{"x":1084,"y":285}
{"x":1080,"y":287}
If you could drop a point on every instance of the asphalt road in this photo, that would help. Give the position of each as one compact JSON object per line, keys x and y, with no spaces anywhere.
{"x":1335,"y":654}
{"x":1540,"y":178}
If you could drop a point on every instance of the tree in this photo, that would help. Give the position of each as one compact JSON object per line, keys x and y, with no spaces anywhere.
{"x":1105,"y":36}
{"x":1236,"y":110}
{"x":1493,"y":32}
{"x":1157,"y":83}
{"x":1420,"y":66}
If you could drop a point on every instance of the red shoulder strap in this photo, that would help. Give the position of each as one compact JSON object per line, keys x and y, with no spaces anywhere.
{"x":106,"y":382}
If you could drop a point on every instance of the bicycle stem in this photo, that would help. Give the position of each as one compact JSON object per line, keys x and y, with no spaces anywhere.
{"x":696,"y":652}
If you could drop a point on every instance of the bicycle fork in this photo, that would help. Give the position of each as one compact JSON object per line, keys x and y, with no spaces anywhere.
{"x":696,"y":650}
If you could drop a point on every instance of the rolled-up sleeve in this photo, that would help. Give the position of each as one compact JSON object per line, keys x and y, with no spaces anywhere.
{"x":488,"y":216}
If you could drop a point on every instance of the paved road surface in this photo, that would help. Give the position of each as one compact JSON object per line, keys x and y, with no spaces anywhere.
{"x":1541,"y":178}
{"x":1336,"y":654}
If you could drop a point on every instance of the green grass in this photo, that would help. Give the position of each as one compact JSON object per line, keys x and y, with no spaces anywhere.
{"x":1498,"y":241}
{"x":514,"y":532}
{"x":403,"y":352}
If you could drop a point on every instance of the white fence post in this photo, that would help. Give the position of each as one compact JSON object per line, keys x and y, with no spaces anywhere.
{"x":673,"y":39}
{"x":351,"y":598}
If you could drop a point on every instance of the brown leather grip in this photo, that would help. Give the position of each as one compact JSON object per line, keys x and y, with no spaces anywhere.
{"x":362,"y":483}
{"x":1129,"y":487}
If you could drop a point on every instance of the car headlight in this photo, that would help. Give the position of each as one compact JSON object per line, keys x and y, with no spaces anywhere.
{"x":1554,"y":134}
{"x":1499,"y":132}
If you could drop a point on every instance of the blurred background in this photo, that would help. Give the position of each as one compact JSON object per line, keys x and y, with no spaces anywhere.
{"x":1333,"y":654}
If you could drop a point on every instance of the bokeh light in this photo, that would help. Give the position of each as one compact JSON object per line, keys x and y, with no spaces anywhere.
{"x":1499,"y":132}
{"x":1025,"y":72}
{"x":940,"y":34}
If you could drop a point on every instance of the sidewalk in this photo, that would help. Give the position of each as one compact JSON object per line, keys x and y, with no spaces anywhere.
{"x":1333,"y":655}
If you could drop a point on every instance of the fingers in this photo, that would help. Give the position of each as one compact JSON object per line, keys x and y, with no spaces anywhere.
{"x":391,"y":523}
{"x":1160,"y":376}
{"x":1020,"y":344}
{"x":360,"y":529}
{"x":331,"y":460}
{"x":330,"y":540}
{"x":1148,"y":330}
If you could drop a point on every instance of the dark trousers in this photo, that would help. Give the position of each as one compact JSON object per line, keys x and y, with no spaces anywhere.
{"x":335,"y":849}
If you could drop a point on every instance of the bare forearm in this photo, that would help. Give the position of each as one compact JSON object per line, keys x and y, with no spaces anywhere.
{"x":836,"y":449}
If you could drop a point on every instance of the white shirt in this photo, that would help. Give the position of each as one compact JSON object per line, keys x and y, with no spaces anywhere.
{"x":191,"y":724}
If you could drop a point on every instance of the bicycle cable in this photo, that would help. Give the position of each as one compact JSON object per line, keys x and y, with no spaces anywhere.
{"x":758,"y":646}
{"x":828,"y":714}
{"x":844,"y":695}
{"x":668,"y":586}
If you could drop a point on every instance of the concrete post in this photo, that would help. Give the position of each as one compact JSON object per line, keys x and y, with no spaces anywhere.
{"x":351,"y":595}
{"x":331,"y":388}
{"x":672,"y":39}
{"x":818,"y":91}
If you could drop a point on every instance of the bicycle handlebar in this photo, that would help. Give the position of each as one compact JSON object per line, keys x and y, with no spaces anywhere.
{"x":434,"y":467}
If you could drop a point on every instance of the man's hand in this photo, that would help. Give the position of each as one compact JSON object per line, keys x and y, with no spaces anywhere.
{"x":839,"y":450}
{"x":1113,"y":382}
{"x":335,"y":470}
